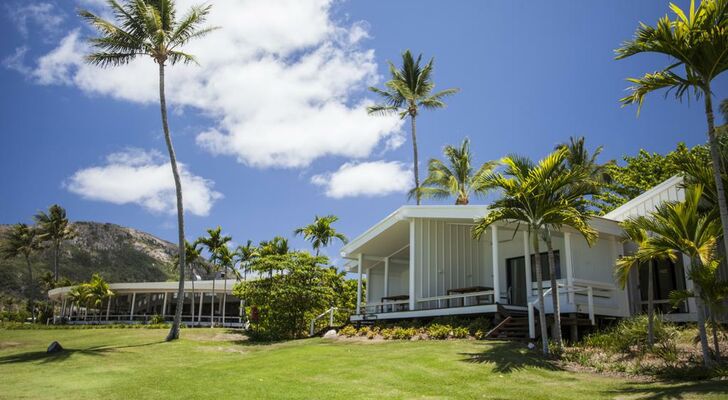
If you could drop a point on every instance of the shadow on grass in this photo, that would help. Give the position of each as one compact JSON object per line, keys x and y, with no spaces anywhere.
{"x":664,"y":390}
{"x":509,"y":357}
{"x":44,"y":357}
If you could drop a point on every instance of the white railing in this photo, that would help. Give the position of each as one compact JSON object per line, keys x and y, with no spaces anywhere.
{"x":549,"y":292}
{"x":330,"y":312}
{"x":461,"y":296}
{"x":372,"y":307}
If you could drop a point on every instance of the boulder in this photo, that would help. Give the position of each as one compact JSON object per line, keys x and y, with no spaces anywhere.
{"x":330,"y":334}
{"x":54,"y":347}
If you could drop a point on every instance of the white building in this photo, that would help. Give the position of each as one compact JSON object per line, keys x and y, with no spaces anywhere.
{"x":422,"y":261}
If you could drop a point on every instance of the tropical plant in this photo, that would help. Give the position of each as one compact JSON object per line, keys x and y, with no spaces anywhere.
{"x":215,"y":242}
{"x":456,"y":178}
{"x":22,"y":240}
{"x":150,"y":28}
{"x":320,"y":233}
{"x":697,"y":43}
{"x":97,"y":291}
{"x":409,"y":89}
{"x":682,"y":228}
{"x":245,"y":256}
{"x":54,"y":227}
{"x":543,"y":197}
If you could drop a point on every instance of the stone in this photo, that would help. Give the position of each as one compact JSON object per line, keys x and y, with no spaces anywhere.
{"x":330,"y":334}
{"x":55,"y":347}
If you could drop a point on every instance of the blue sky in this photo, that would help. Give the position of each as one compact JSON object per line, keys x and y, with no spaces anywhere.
{"x":270,"y":127}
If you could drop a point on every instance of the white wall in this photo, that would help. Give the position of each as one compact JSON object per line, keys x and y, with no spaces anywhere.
{"x":594,"y":263}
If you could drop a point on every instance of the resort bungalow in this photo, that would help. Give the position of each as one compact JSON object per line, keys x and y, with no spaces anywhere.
{"x":139,"y":302}
{"x":422,"y":262}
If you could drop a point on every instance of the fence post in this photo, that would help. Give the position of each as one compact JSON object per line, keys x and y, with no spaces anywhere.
{"x":331,"y":317}
{"x":531,"y":322}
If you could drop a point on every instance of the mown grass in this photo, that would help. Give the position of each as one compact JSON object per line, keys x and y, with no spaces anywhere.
{"x":207,"y":363}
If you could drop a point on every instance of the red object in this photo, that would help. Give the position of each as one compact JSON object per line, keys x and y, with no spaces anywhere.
{"x":254,"y":315}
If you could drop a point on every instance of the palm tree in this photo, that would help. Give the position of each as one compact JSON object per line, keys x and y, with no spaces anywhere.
{"x":54,"y":227}
{"x":22,"y":240}
{"x":456,"y":179}
{"x":245,"y":256}
{"x":543,"y":197}
{"x":408,"y":90}
{"x":696,"y":42}
{"x":215,"y":242}
{"x":635,"y":234}
{"x":97,"y":290}
{"x":320,"y":233}
{"x":150,"y":28}
{"x":277,"y":246}
{"x":683,"y":228}
{"x":193,"y":258}
{"x":579,"y":156}
{"x":79,"y":295}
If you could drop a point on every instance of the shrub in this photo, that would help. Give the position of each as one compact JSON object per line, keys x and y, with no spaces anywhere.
{"x":403,"y":333}
{"x":480,"y":324}
{"x":348,"y":331}
{"x":372,"y":333}
{"x":156,"y":319}
{"x":630,"y":335}
{"x":460,"y":332}
{"x":387,"y":333}
{"x":438,"y":331}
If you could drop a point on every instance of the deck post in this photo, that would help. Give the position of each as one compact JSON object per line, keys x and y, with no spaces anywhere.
{"x":496,"y":266}
{"x":527,"y":260}
{"x":164,"y":306}
{"x":369,"y":286}
{"x":360,"y":261}
{"x":386,"y":276}
{"x":63,"y":306}
{"x":199,"y":313}
{"x":569,"y":266}
{"x":133,"y":303}
{"x":108,"y":308}
{"x":412,"y":291}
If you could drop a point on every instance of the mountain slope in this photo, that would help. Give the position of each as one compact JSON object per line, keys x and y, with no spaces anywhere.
{"x":118,"y":253}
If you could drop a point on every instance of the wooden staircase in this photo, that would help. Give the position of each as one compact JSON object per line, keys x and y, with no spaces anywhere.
{"x":513,"y":326}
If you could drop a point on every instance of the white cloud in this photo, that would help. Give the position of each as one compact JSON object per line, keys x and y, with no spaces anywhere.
{"x":372,"y":179}
{"x":135,"y":176}
{"x":45,"y":16}
{"x":281,"y":79}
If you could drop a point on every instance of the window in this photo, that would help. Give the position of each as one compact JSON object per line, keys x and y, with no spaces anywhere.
{"x":545,"y":266}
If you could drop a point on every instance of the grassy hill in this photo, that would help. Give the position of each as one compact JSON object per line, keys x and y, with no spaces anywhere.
{"x":118,"y":253}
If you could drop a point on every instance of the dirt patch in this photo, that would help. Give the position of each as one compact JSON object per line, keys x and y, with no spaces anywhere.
{"x":8,"y":345}
{"x":215,"y":336}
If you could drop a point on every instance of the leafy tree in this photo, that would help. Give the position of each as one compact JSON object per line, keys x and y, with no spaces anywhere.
{"x":150,"y":28}
{"x":543,"y":197}
{"x":320,"y":233}
{"x":697,"y":43}
{"x":22,"y":240}
{"x":245,"y":256}
{"x":580,"y":158}
{"x":682,"y":228}
{"x":408,"y":90}
{"x":456,"y":179}
{"x":287,"y":301}
{"x":216,"y":244}
{"x":54,"y":227}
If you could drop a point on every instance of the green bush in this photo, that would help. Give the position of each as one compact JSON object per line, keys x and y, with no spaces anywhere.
{"x":156,"y":319}
{"x":460,"y":332}
{"x":348,"y":331}
{"x":387,"y":333}
{"x":438,"y":331}
{"x":403,"y":333}
{"x":630,"y":335}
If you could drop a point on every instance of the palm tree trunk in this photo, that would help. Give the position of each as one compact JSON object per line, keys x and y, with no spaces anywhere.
{"x":174,"y":331}
{"x":224,"y":297}
{"x":56,"y":249}
{"x":539,"y":287}
{"x":556,"y":331}
{"x":192,"y":282}
{"x":717,"y":167}
{"x":716,"y":342}
{"x":650,"y":306}
{"x":701,"y":326}
{"x":416,"y":161}
{"x":212,"y":303}
{"x":31,"y":292}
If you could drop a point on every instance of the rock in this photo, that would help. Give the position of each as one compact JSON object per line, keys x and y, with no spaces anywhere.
{"x":415,"y":337}
{"x":330,"y":334}
{"x":55,"y":347}
{"x":531,"y":346}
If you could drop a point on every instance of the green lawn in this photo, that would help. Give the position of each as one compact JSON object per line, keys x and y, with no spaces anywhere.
{"x":136,"y":363}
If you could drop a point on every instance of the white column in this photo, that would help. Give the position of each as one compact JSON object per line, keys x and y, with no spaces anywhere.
{"x":687,"y":265}
{"x":133,"y":303}
{"x":527,"y":260}
{"x":358,"y":283}
{"x":108,"y":308}
{"x":199,"y":313}
{"x":496,"y":264}
{"x":412,"y":291}
{"x":63,"y":307}
{"x":386,"y":276}
{"x":369,"y":286}
{"x":164,"y":305}
{"x":569,"y":265}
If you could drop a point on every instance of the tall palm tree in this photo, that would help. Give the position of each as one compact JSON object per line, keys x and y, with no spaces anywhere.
{"x":215,"y":242}
{"x":54,"y":227}
{"x":408,"y":90}
{"x":456,"y":178}
{"x":79,"y":295}
{"x":683,"y":228}
{"x":579,"y":156}
{"x":246,"y":255}
{"x":22,"y":240}
{"x":697,"y":43}
{"x":533,"y":195}
{"x":320,"y":233}
{"x":150,"y":28}
{"x":97,"y":291}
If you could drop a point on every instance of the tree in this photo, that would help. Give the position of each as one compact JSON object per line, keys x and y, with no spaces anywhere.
{"x":97,"y":291}
{"x":215,"y":242}
{"x":320,"y":233}
{"x":408,"y":90}
{"x":579,"y":157}
{"x":683,"y":228}
{"x":22,"y":240}
{"x":456,"y":179}
{"x":54,"y":227}
{"x":697,"y":43}
{"x":193,"y":258}
{"x":150,"y":28}
{"x":246,"y":255}
{"x":287,"y":301}
{"x":537,"y":195}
